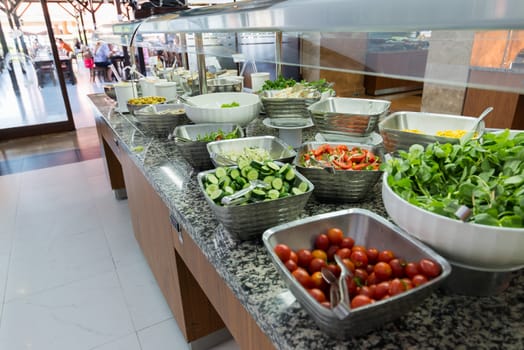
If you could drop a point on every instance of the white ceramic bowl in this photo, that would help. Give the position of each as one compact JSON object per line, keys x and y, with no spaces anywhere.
{"x":471,"y":244}
{"x":208,"y":109}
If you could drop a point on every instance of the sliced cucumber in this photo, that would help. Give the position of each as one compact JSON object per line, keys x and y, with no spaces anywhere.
{"x":273,"y":166}
{"x":212,"y":179}
{"x":242,"y":163}
{"x":216,"y":195}
{"x":265,"y":170}
{"x":290,"y":174}
{"x":284,"y":168}
{"x":245,"y":170}
{"x":277,"y":183}
{"x":211,"y":188}
{"x":269,"y":179}
{"x":228,"y":190}
{"x":224,"y":181}
{"x":256,"y":164}
{"x":252,"y":175}
{"x":303,"y":186}
{"x":258,"y":193}
{"x":220,"y":172}
{"x":285,"y":187}
{"x":273,"y":194}
{"x":296,"y":191}
{"x":234,"y":173}
{"x":240,"y":181}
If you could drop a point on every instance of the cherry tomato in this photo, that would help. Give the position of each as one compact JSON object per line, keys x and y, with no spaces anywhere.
{"x":344,"y":253}
{"x":335,"y":269}
{"x":372,"y":279}
{"x":331,"y":251}
{"x":318,"y":281}
{"x":370,"y":268}
{"x":335,"y":235}
{"x":291,"y":265}
{"x":429,"y":268}
{"x":282,"y":251}
{"x":362,"y":275}
{"x":396,"y":287}
{"x":316,"y":264}
{"x":293,"y":256}
{"x":318,"y":253}
{"x":367,"y":291}
{"x":382,"y":290}
{"x":317,"y":294}
{"x":349,"y":264}
{"x":383,"y":271}
{"x":352,"y":286}
{"x":360,"y":300}
{"x":386,"y":255}
{"x":418,"y":280}
{"x":359,"y":247}
{"x":322,"y":242}
{"x":359,"y":258}
{"x":303,"y":277}
{"x":411,"y":269}
{"x":347,"y":242}
{"x":372,"y":255}
{"x":304,"y":257}
{"x":408,"y":284}
{"x":397,"y":267}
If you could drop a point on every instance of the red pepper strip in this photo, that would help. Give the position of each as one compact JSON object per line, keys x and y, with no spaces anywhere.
{"x":341,"y":164}
{"x":359,"y":166}
{"x":342,"y":148}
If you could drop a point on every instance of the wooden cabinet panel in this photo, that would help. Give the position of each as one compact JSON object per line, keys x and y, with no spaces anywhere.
{"x":239,"y":322}
{"x":110,"y":150}
{"x":192,"y":310}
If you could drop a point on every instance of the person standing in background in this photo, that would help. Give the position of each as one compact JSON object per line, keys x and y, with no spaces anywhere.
{"x":64,"y":47}
{"x":102,"y":58}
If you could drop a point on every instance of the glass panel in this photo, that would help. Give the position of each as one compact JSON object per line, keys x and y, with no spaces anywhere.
{"x":29,"y":90}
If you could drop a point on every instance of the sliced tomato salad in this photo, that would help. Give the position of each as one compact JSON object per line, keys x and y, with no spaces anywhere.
{"x":341,"y":158}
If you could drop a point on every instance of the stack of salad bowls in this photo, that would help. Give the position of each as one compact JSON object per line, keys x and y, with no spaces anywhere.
{"x":464,"y":201}
{"x":345,"y":179}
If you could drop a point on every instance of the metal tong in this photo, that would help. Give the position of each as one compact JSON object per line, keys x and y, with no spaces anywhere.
{"x":338,"y":293}
{"x":238,"y":197}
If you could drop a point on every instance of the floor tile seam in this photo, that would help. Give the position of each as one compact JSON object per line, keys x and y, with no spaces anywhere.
{"x":157,"y":323}
{"x":44,"y":290}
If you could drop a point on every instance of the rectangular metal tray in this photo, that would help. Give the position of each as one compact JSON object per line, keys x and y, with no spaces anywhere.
{"x":195,"y":153}
{"x":348,"y":116}
{"x":395,"y":138}
{"x":344,"y":185}
{"x":368,"y":229}
{"x":249,"y":221}
{"x":278,"y":149}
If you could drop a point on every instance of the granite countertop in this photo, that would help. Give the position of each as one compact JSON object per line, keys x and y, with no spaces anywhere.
{"x":441,"y":321}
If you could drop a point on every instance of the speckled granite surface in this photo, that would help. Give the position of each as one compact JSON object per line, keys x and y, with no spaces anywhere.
{"x":442,"y":321}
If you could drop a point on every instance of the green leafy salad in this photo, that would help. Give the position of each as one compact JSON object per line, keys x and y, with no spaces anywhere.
{"x":281,"y":83}
{"x":219,"y":135}
{"x":485,"y":176}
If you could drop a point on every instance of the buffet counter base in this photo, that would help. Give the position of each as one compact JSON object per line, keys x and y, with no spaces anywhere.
{"x":211,"y":280}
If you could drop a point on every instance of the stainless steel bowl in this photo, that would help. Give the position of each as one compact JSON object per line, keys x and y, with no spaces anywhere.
{"x":473,"y":281}
{"x":287,"y":111}
{"x":277,"y":149}
{"x":342,"y":185}
{"x":195,"y":152}
{"x":249,"y":221}
{"x":394,"y":128}
{"x":162,"y":120}
{"x":224,"y":85}
{"x":348,"y":116}
{"x":367,"y":229}
{"x":109,"y":90}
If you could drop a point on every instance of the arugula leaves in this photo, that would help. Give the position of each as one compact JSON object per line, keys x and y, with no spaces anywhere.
{"x":486,"y":176}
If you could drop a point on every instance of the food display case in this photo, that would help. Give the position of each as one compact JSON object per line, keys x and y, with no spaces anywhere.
{"x":331,"y":43}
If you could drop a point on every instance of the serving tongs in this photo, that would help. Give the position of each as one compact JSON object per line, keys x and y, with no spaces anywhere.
{"x":322,"y":165}
{"x":238,"y":197}
{"x":338,"y":304}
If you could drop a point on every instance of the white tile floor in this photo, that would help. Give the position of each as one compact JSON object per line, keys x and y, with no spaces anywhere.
{"x":72,"y":276}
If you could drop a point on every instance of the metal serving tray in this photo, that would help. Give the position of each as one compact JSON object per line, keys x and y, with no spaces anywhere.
{"x":343,"y":185}
{"x":287,"y":111}
{"x":278,"y":149}
{"x":250,"y":220}
{"x":195,"y":152}
{"x":395,"y":138}
{"x":367,"y":229}
{"x":348,"y":116}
